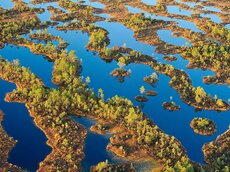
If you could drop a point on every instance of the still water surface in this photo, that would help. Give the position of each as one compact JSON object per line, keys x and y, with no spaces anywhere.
{"x":30,"y":150}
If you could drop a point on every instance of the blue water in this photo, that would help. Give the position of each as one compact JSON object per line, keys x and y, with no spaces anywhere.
{"x":166,"y":35}
{"x":150,"y":2}
{"x":98,"y":71}
{"x":173,"y":123}
{"x":177,"y":123}
{"x":134,"y":10}
{"x":212,"y":17}
{"x":31,"y":147}
{"x":176,"y":10}
{"x":199,"y":74}
{"x":191,"y":4}
{"x":227,"y":26}
{"x":106,"y":16}
{"x":7,"y":4}
{"x":182,"y":23}
{"x":94,"y":144}
{"x":212,"y":9}
{"x":37,"y":63}
{"x":125,"y":37}
{"x":94,"y":4}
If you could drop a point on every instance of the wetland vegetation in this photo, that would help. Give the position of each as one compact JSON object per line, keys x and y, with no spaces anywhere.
{"x":203,"y":126}
{"x":135,"y":135}
{"x":6,"y":144}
